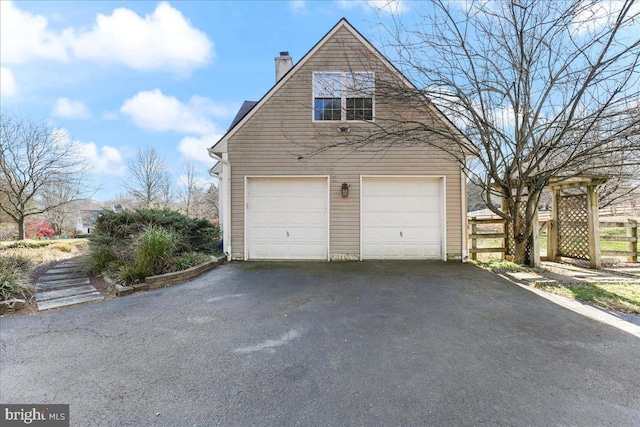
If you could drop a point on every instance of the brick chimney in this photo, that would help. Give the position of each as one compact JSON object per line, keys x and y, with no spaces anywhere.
{"x":283,"y":64}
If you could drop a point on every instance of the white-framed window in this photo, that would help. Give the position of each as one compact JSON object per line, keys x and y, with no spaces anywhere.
{"x":343,"y":96}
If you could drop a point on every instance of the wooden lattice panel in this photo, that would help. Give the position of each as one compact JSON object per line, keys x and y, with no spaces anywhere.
{"x":573,"y":226}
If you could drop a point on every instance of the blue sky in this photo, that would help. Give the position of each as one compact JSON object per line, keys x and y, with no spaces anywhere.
{"x":117,"y":76}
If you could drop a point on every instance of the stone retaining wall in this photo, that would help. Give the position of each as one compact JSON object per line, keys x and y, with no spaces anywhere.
{"x":164,"y":280}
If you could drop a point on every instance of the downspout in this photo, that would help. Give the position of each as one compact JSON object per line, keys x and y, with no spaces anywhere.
{"x":226,"y":200}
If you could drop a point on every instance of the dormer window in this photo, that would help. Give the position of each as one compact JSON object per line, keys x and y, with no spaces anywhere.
{"x":343,"y":96}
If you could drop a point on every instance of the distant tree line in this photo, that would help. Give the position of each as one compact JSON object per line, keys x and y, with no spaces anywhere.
{"x":43,"y":180}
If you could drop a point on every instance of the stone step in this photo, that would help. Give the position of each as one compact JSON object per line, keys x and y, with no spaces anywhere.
{"x":70,"y":264}
{"x":63,"y":302}
{"x":57,"y":284}
{"x":64,"y":269}
{"x":63,"y":276}
{"x":67,"y":292}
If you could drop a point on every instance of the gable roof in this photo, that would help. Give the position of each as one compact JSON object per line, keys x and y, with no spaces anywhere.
{"x":244,"y":109}
{"x":89,"y":216}
{"x":221,"y":145}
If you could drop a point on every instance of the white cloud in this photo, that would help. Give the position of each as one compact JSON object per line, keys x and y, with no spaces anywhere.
{"x":504,"y":117}
{"x":24,"y":36}
{"x":393,"y":7}
{"x":298,"y":6}
{"x":153,"y":110}
{"x":456,"y":109}
{"x":349,"y":4}
{"x":163,"y":40}
{"x":8,"y":86}
{"x":110,"y":115}
{"x":105,"y":160}
{"x":450,"y":105}
{"x":66,"y":108}
{"x":473,"y":5}
{"x":209,"y":107}
{"x":193,"y":148}
{"x":594,"y":16}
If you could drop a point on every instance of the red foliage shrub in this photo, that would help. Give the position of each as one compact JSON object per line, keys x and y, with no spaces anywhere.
{"x":38,"y":228}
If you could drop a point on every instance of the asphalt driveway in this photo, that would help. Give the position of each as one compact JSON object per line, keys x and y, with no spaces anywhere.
{"x":391,"y":343}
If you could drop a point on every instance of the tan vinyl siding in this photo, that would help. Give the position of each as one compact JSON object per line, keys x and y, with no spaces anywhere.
{"x":271,"y":141}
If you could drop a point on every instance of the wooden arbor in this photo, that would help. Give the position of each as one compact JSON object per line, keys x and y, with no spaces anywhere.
{"x":573,"y":231}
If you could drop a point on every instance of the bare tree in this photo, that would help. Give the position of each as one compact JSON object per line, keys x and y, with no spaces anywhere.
{"x":4,"y":200}
{"x":198,"y":198}
{"x":205,"y":204}
{"x":34,"y":157}
{"x":64,"y":215}
{"x":190,"y":186}
{"x":150,"y":180}
{"x":540,"y":89}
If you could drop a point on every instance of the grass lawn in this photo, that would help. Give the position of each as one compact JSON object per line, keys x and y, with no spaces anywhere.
{"x":500,"y":265}
{"x":43,"y":251}
{"x":35,"y":242}
{"x":623,"y":297}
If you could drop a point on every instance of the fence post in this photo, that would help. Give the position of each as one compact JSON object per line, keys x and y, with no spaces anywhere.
{"x":632,"y":246}
{"x":474,"y":240}
{"x":506,"y":230}
{"x":534,"y":256}
{"x":594,"y":228}
{"x":552,"y":231}
{"x":505,"y":239}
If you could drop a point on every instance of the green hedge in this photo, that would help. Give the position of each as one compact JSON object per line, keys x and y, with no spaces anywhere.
{"x":133,"y":245}
{"x":21,"y":244}
{"x":199,"y":234}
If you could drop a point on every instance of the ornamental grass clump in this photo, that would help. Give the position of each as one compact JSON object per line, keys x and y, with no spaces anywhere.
{"x":14,"y":277}
{"x":133,"y":245}
{"x":190,"y":259}
{"x":155,"y":249}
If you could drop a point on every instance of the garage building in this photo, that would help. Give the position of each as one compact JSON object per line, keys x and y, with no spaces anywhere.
{"x":296,"y":182}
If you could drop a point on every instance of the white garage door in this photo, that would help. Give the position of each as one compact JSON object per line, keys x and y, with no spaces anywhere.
{"x":287,"y":218}
{"x":402,"y":218}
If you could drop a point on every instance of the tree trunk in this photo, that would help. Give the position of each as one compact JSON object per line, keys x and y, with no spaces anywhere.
{"x":21,"y":229}
{"x":520,"y":231}
{"x":520,"y":251}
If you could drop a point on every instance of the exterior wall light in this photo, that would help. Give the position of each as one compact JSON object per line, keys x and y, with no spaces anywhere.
{"x":345,"y":189}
